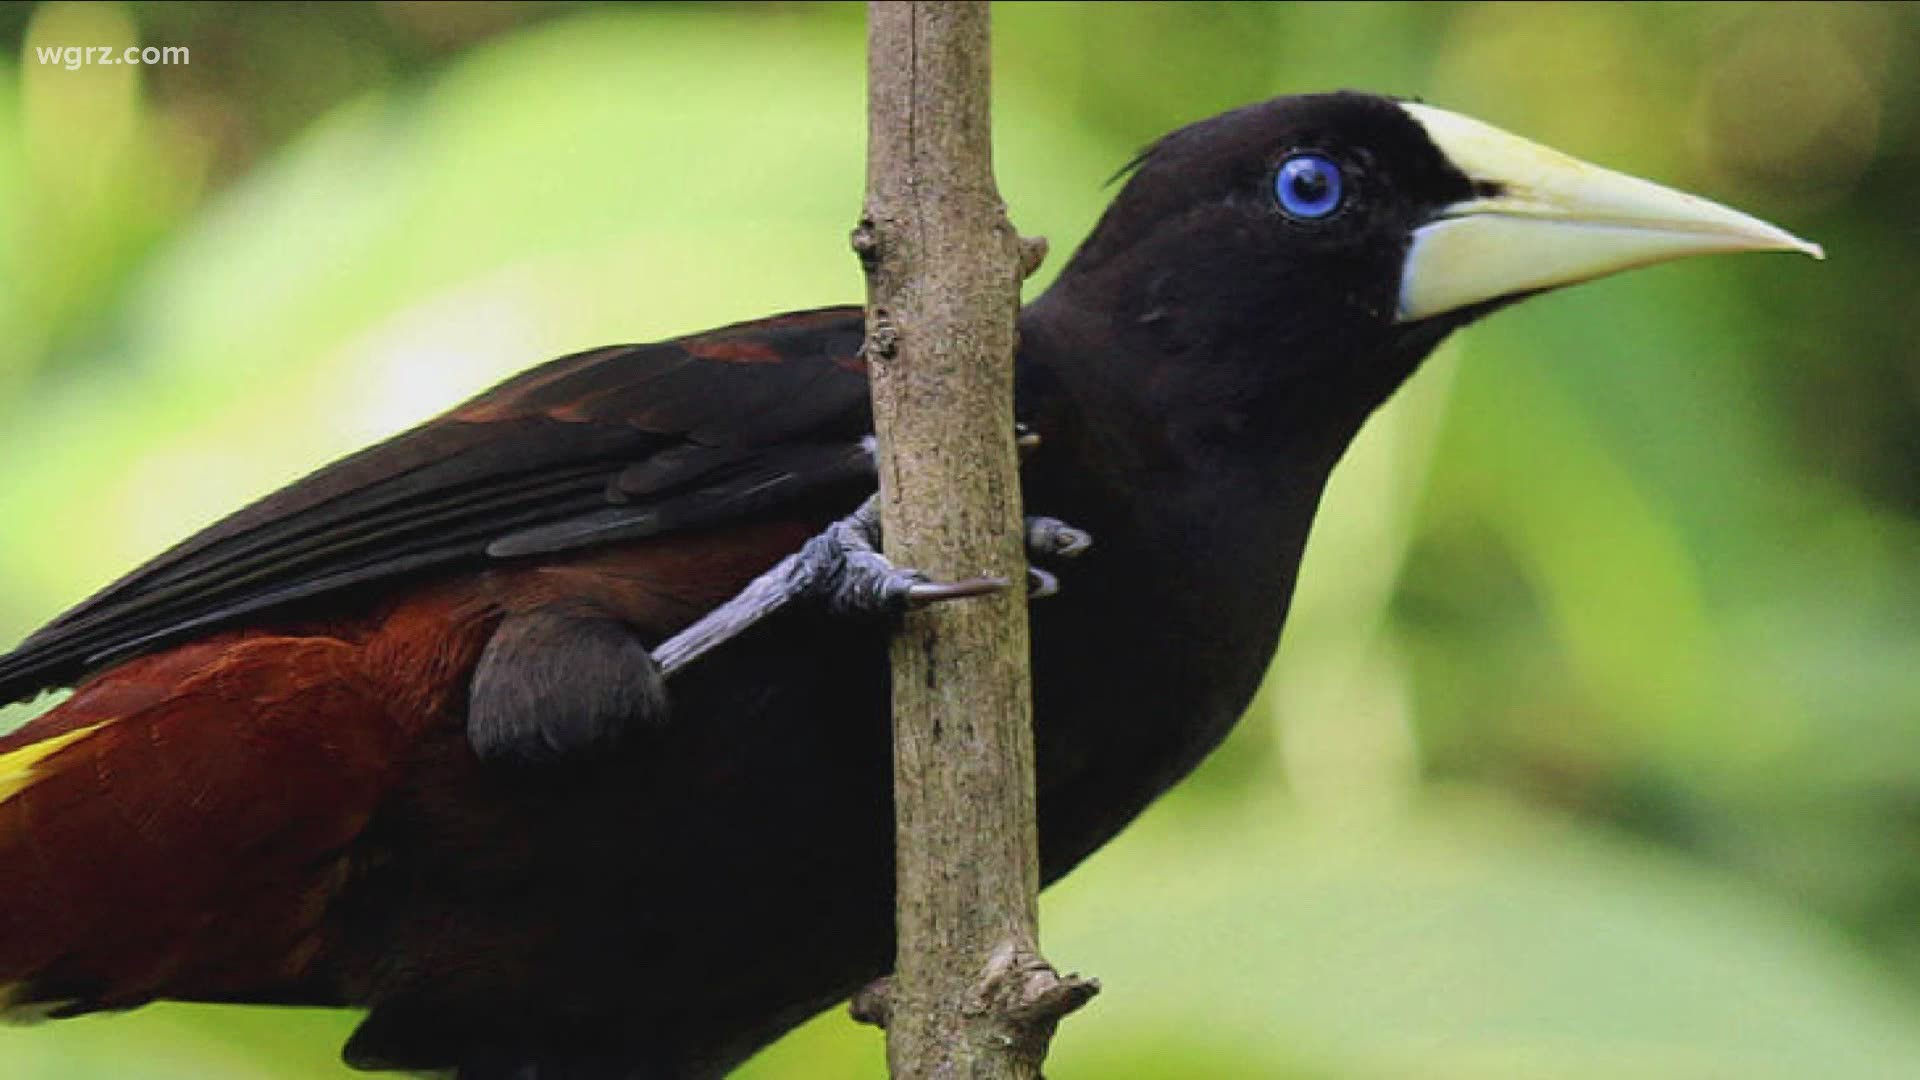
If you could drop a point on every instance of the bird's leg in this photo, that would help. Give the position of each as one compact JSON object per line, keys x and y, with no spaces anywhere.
{"x":843,"y":569}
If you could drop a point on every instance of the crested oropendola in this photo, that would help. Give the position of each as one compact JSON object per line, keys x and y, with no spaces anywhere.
{"x":398,"y":736}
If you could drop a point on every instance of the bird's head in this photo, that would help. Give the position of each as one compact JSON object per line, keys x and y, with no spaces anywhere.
{"x":1309,"y":251}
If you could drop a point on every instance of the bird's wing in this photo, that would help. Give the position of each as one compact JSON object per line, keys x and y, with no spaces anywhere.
{"x":615,"y":444}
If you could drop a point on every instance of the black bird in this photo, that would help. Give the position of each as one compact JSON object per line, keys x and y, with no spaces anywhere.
{"x":417,"y":733}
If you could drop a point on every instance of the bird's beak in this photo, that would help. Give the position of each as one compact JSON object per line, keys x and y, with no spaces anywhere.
{"x":1546,"y":220}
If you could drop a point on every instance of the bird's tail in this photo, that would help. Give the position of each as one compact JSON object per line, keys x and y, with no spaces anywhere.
{"x":175,"y":828}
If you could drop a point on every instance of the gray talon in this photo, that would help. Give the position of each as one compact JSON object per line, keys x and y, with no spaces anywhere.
{"x":1052,"y":538}
{"x":1041,"y":584}
{"x":931,"y":592}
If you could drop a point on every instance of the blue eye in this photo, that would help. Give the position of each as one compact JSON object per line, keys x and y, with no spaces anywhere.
{"x":1308,"y":186}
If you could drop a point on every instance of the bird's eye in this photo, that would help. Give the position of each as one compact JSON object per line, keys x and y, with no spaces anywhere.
{"x":1308,"y":186}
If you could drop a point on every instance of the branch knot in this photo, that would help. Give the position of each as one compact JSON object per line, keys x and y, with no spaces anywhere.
{"x":883,"y":337}
{"x":1033,"y":252}
{"x":1024,"y":990}
{"x":866,"y":244}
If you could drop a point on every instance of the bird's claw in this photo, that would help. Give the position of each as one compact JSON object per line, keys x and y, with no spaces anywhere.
{"x":925,"y":593}
{"x":857,"y":580}
{"x":1046,"y":538}
{"x":1052,"y":538}
{"x":1040,"y":584}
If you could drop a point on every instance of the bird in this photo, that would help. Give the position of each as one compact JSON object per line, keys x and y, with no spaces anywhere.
{"x":554,"y":732}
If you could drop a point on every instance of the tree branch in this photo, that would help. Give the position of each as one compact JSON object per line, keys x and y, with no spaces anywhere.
{"x":970,"y":995}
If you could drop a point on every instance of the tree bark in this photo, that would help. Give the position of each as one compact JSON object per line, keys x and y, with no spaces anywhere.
{"x":970,"y":996}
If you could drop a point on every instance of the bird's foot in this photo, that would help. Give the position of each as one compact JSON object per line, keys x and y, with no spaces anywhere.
{"x":843,"y":570}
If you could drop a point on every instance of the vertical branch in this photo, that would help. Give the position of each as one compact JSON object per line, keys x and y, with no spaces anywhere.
{"x":970,"y":995}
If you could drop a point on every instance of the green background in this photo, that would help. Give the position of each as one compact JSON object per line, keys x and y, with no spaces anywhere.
{"x":1594,"y":746}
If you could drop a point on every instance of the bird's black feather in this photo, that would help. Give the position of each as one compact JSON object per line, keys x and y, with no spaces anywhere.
{"x":607,"y":445}
{"x":561,"y":684}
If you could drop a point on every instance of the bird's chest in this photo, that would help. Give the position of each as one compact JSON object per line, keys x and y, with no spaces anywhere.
{"x":1149,"y":655}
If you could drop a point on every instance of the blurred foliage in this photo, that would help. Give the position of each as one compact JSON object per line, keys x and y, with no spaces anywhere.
{"x":1594,"y":747}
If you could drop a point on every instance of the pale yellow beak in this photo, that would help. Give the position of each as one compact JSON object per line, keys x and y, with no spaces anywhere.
{"x":1555,"y":220}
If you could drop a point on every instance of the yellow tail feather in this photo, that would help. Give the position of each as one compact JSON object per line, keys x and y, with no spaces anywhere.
{"x":19,"y":769}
